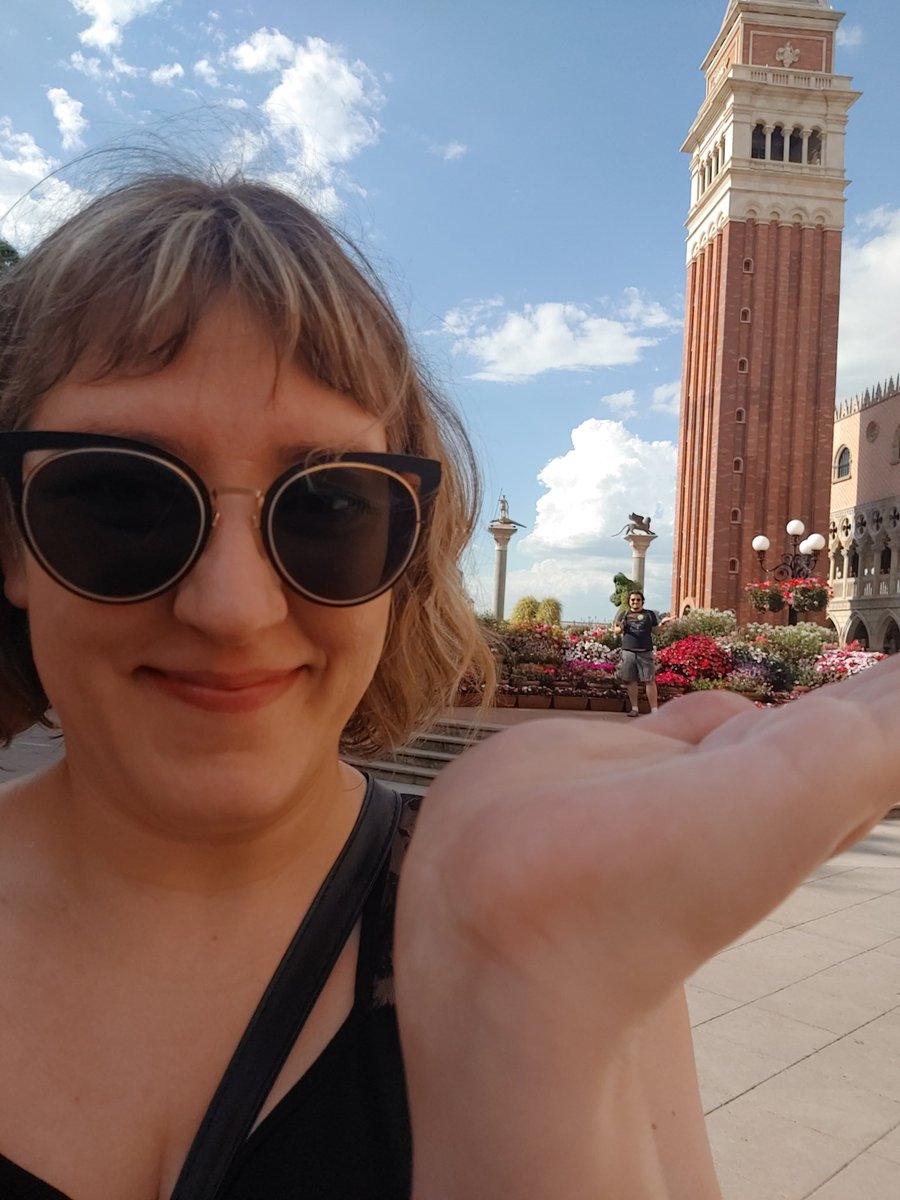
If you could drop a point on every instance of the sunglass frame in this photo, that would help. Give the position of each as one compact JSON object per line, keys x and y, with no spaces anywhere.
{"x":15,"y":444}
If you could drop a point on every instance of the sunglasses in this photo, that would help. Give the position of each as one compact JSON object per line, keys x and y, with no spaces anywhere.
{"x":120,"y":521}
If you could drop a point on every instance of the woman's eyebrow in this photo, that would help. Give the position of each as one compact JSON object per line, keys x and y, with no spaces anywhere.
{"x":286,"y":455}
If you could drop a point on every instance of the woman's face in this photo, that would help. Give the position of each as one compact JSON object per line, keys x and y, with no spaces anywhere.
{"x":220,"y":702}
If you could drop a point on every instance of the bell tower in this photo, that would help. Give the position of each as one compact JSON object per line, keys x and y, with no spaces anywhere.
{"x":763,"y":277}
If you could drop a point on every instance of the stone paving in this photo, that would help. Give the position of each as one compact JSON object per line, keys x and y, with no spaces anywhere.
{"x":797,"y":1037}
{"x":796,"y":1029}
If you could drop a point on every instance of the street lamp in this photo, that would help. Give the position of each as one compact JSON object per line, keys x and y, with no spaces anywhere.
{"x":801,"y":562}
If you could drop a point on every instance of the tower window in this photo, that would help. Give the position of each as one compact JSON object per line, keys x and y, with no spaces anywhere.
{"x":758,"y":141}
{"x":745,"y":316}
{"x":842,"y":464}
{"x":740,"y":415}
{"x":738,"y":466}
{"x":777,"y":151}
{"x":735,"y":516}
{"x":748,"y":266}
{"x":795,"y":153}
{"x":743,"y":366}
{"x":814,"y":149}
{"x":734,"y":566}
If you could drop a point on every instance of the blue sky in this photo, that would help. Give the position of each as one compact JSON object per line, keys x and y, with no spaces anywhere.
{"x":513,"y":172}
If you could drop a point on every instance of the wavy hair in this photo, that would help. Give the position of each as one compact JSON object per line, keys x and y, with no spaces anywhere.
{"x":120,"y":288}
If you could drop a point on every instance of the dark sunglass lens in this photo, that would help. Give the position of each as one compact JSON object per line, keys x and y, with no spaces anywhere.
{"x":343,"y":533}
{"x":113,"y":524}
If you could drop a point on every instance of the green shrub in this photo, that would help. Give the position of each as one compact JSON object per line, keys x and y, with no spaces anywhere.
{"x":705,"y":622}
{"x":793,"y":643}
{"x":549,"y":611}
{"x":524,"y":611}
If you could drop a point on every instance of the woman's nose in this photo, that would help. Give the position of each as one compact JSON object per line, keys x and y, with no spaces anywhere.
{"x":233,"y":591}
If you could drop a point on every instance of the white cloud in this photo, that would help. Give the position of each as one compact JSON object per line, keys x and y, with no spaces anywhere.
{"x":68,"y":115}
{"x":576,"y":536}
{"x":850,"y":35}
{"x":448,"y":151}
{"x":204,"y":70}
{"x":513,"y":346}
{"x":646,"y":314}
{"x":667,"y":398}
{"x":88,"y":66}
{"x":164,"y":75}
{"x":320,"y":114}
{"x":621,"y":402}
{"x":870,"y":301}
{"x":31,"y":204}
{"x":108,"y":19}
{"x":321,"y":109}
{"x":454,"y":150}
{"x":114,"y":67}
{"x":608,"y":473}
{"x":236,"y":102}
{"x":264,"y":50}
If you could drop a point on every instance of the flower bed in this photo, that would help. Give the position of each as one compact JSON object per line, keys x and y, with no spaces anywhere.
{"x":544,"y":665}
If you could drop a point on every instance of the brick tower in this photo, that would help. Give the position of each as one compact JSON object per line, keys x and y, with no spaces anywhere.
{"x":763,"y":275}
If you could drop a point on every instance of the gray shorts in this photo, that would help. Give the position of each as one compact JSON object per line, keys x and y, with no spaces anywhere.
{"x":637,"y":666}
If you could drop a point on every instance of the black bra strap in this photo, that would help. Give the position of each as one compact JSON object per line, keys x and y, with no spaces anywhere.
{"x":289,"y":997}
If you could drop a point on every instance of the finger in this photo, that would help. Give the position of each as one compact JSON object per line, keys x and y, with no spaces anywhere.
{"x":692,"y":718}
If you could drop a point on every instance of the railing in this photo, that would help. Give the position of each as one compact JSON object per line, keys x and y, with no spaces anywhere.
{"x":862,"y":589}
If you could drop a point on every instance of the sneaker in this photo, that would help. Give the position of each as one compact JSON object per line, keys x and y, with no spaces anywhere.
{"x":632,"y":712}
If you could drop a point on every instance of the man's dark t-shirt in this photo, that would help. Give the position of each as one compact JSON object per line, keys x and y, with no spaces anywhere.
{"x":636,"y":629}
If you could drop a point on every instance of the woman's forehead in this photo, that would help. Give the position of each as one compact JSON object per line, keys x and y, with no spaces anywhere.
{"x":227,"y":390}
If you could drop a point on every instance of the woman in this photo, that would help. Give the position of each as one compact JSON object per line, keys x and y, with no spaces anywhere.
{"x":235,"y":513}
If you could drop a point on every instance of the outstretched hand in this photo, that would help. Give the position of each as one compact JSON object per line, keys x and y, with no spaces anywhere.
{"x":568,"y":876}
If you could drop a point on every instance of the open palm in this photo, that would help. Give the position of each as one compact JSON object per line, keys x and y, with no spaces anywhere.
{"x":566,"y":877}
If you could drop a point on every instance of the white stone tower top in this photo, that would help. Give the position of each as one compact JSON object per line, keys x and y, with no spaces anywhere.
{"x":768,"y":142}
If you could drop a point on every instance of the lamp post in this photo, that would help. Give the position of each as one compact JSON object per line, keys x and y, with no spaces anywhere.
{"x":798,"y":563}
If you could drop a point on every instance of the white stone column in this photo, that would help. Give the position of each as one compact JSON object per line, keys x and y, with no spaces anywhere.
{"x":501,"y":530}
{"x":639,"y":543}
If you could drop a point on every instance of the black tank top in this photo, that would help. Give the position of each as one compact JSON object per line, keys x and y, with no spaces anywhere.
{"x":342,"y":1131}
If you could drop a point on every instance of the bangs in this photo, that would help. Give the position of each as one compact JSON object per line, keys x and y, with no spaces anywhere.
{"x":125,"y":294}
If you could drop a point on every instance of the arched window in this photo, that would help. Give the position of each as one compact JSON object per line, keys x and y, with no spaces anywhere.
{"x":734,"y":566}
{"x":748,"y":266}
{"x":743,"y":366}
{"x":758,"y":141}
{"x":777,"y":143}
{"x":740,"y":415}
{"x":738,"y":466}
{"x":795,"y":154}
{"x":853,"y":564}
{"x":814,"y":148}
{"x":842,"y":464}
{"x":884,"y":566}
{"x":745,"y":316}
{"x":735,"y":516}
{"x":895,"y":447}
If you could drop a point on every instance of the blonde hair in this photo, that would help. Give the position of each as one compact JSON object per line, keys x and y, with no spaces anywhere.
{"x":120,"y":288}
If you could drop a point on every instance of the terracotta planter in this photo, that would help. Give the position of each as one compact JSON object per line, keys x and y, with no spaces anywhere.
{"x":533,"y":701}
{"x":571,"y":703}
{"x":505,"y":700}
{"x":468,"y":699}
{"x":614,"y":704}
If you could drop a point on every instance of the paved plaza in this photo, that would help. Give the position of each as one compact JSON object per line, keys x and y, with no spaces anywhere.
{"x":796,"y":1029}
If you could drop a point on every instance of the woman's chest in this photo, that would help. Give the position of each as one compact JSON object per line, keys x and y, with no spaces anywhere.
{"x":106,"y":1077}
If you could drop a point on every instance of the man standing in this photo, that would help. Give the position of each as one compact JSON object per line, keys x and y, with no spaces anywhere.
{"x":635,"y":626}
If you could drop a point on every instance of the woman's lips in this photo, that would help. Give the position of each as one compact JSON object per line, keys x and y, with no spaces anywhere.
{"x":214,"y":692}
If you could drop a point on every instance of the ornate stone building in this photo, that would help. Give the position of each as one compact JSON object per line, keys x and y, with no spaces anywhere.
{"x":763,"y":274}
{"x":864,"y":531}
